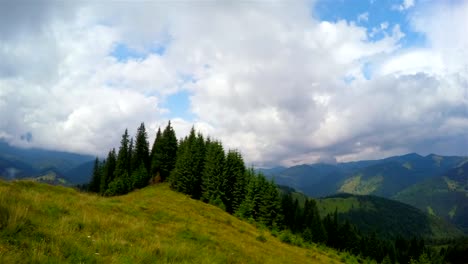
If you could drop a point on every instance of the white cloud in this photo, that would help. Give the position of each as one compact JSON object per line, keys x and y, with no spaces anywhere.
{"x":407,"y":4}
{"x":265,"y":78}
{"x":363,"y":17}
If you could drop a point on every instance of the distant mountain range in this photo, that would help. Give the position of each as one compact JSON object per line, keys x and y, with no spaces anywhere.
{"x":55,"y":167}
{"x":437,"y":185}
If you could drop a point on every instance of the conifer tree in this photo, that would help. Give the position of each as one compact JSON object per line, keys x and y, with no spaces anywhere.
{"x":141,"y":151}
{"x":156,"y":153}
{"x":213,"y":172}
{"x":168,"y":151}
{"x":94,"y":184}
{"x":122,"y":163}
{"x":234,"y":183}
{"x":130,"y":156}
{"x":186,"y":176}
{"x":182,"y":177}
{"x":108,"y":171}
{"x":139,"y":177}
{"x":270,"y":205}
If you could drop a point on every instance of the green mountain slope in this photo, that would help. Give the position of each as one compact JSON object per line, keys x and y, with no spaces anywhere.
{"x":394,"y":174}
{"x":387,"y":218}
{"x":384,"y":177}
{"x":51,"y":224}
{"x":445,"y":196}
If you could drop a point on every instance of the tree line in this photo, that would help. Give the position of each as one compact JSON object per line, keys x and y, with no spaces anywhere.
{"x":201,"y":168}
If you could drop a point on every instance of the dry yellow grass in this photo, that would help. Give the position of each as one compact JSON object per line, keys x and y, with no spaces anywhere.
{"x":48,"y":224}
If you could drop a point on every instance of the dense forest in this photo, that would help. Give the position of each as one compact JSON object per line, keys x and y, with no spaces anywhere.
{"x":200,"y":167}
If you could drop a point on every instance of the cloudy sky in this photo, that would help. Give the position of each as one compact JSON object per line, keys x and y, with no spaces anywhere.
{"x":285,"y":82}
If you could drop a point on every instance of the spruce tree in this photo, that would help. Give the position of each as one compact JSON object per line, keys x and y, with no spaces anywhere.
{"x":139,"y":177}
{"x":213,"y":172}
{"x":108,"y":171}
{"x":182,"y":177}
{"x":234,"y":183}
{"x":168,"y":151}
{"x":94,"y":184}
{"x":141,"y":151}
{"x":122,"y":163}
{"x":130,"y":157}
{"x":156,"y":153}
{"x":186,"y":176}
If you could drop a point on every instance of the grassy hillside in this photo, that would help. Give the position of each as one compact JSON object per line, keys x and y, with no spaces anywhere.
{"x":53,"y":224}
{"x":386,"y":217}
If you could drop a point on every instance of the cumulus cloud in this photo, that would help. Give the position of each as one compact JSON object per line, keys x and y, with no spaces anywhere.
{"x":266,"y":78}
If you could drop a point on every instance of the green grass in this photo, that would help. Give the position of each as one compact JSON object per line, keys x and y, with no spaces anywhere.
{"x":40,"y":223}
{"x":357,"y":185}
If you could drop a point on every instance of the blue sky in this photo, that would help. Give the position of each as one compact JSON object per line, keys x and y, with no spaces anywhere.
{"x":373,"y":14}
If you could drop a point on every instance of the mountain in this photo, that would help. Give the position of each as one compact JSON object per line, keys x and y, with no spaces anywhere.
{"x":384,"y":177}
{"x":385,"y":217}
{"x":53,"y":224}
{"x":445,"y":196}
{"x":80,"y":174}
{"x":314,"y":180}
{"x":21,"y":163}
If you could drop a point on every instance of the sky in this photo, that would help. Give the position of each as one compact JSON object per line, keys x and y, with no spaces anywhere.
{"x":283,"y":82}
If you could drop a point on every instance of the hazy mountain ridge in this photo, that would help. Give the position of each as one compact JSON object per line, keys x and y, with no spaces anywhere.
{"x":392,"y":174}
{"x":18,"y":163}
{"x":433,"y":183}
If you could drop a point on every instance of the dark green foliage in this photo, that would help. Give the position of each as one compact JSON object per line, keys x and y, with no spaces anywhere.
{"x":169,"y":151}
{"x":140,"y":177}
{"x":262,"y":202}
{"x":94,"y":184}
{"x":312,"y":223}
{"x":121,"y":173}
{"x":130,"y":156}
{"x":234,"y":182}
{"x":116,"y":187}
{"x":141,"y":151}
{"x":156,"y":153}
{"x":187,"y":174}
{"x":164,"y":153}
{"x":108,"y":169}
{"x":213,"y":171}
{"x":123,"y":161}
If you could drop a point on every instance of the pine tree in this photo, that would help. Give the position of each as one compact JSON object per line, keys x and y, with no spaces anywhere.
{"x":186,"y":176}
{"x":94,"y":184}
{"x":234,"y":183}
{"x":108,"y":171}
{"x":139,"y":177}
{"x":312,"y":222}
{"x":182,"y":177}
{"x":141,"y":151}
{"x":270,"y":207}
{"x":213,"y":171}
{"x":156,"y":153}
{"x":168,"y":151}
{"x":122,"y":163}
{"x":130,"y":157}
